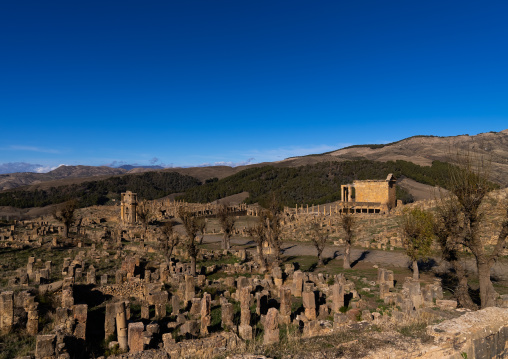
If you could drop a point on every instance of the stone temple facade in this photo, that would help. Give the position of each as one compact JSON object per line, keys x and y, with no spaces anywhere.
{"x":370,"y":196}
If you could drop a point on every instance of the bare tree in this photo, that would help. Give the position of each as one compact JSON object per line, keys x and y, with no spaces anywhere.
{"x":319,"y":238}
{"x":169,"y":240}
{"x":144,"y":214}
{"x":270,"y":220}
{"x":201,"y":229}
{"x":258,"y":234}
{"x":191,"y":225}
{"x":227,"y":223}
{"x":348,"y":224}
{"x":469,"y":183}
{"x":447,"y":231}
{"x":418,"y":233}
{"x":65,"y":213}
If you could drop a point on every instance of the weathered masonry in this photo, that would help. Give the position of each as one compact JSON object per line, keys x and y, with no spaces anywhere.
{"x":128,"y":207}
{"x":370,"y":196}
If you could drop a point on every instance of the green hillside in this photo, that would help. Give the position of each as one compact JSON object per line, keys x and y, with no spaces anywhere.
{"x":149,"y":185}
{"x":312,"y":184}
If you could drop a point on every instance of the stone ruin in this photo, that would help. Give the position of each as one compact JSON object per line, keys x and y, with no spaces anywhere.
{"x":115,"y":285}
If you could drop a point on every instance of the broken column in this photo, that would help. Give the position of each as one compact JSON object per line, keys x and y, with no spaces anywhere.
{"x":121,"y":325}
{"x":309,"y":303}
{"x":285,"y":306}
{"x":245,"y":330}
{"x":80,"y":313}
{"x":337,"y":297}
{"x":297,"y":283}
{"x":67,"y":293}
{"x":110,"y":320}
{"x":271,"y":327}
{"x":227,"y":314}
{"x":277,"y":276}
{"x":206,"y":319}
{"x":90,"y":276}
{"x":6,"y":311}
{"x":32,"y":324}
{"x":175,"y":304}
{"x":190,"y":288}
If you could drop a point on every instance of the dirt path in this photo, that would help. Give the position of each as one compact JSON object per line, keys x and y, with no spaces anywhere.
{"x":374,"y":256}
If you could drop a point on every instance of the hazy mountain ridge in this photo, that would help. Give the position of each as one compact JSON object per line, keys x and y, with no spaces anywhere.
{"x":14,"y":180}
{"x":421,"y":150}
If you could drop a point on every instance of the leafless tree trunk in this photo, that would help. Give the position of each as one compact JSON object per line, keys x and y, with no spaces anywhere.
{"x":258,"y":234}
{"x":227,"y":223}
{"x":348,"y":223}
{"x":191,"y":225}
{"x":469,"y":184}
{"x":319,"y":238}
{"x":65,"y":214}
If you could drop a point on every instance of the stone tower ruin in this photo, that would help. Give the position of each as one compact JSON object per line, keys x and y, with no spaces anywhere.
{"x":129,"y":206}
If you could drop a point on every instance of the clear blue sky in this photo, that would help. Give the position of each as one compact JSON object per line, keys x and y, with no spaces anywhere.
{"x":192,"y":82}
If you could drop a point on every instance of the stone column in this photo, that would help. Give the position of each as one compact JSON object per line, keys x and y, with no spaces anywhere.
{"x":190,"y":288}
{"x":121,"y":325}
{"x":285,"y":306}
{"x":32,"y":324}
{"x":90,"y":276}
{"x":337,"y":297}
{"x":206,"y":319}
{"x":297,"y":283}
{"x":309,"y":303}
{"x":245,"y":330}
{"x":145,"y":311}
{"x":277,"y":276}
{"x":109,"y":320}
{"x":271,"y":327}
{"x":227,"y":315}
{"x":6,"y":311}
{"x":80,"y":313}
{"x":175,"y":303}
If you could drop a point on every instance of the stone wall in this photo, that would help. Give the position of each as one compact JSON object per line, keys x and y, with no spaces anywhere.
{"x":372,"y":191}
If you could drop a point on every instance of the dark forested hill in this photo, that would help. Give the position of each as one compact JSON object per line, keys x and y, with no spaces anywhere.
{"x":311,"y":184}
{"x":149,"y":185}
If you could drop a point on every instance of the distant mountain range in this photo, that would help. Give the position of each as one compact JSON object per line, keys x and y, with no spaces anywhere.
{"x":421,"y":150}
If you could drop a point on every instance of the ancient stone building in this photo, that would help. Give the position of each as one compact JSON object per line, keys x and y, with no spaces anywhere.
{"x":128,"y":207}
{"x":370,"y":196}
